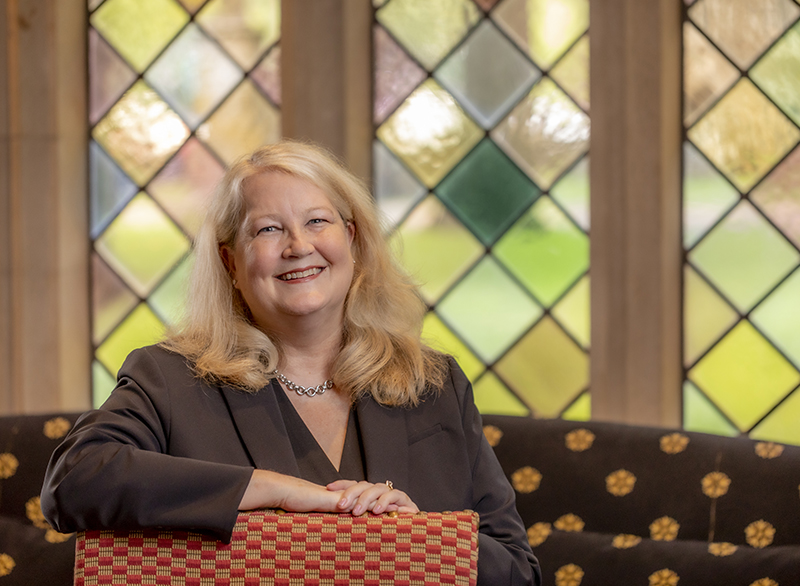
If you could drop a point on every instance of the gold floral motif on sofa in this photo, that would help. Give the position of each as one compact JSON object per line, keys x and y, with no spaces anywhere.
{"x":673,"y":443}
{"x":569,"y":575}
{"x":764,"y":582}
{"x":768,"y":450}
{"x":722,"y":549}
{"x":663,"y":577}
{"x":538,"y":533}
{"x":664,"y":529}
{"x":6,"y":564}
{"x":33,"y":510}
{"x":56,"y":428}
{"x":492,"y":434}
{"x":8,"y":465}
{"x":759,"y":533}
{"x":579,"y":440}
{"x":569,"y":522}
{"x":626,"y":541}
{"x":526,"y":479}
{"x":715,"y":484}
{"x":620,"y":482}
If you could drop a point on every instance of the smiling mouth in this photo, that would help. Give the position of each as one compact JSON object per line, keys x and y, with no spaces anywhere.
{"x":300,"y":274}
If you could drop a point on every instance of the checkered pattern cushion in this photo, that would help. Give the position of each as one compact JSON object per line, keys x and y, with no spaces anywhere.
{"x":290,"y":549}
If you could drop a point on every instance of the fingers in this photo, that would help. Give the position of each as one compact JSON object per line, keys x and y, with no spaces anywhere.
{"x":359,"y":497}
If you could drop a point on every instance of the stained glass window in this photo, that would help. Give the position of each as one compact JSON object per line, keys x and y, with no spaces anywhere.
{"x":178,"y":90}
{"x":481,"y":165}
{"x":742,"y":218}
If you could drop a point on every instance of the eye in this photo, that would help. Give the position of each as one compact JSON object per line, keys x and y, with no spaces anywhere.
{"x":317,"y":221}
{"x":267,"y":229}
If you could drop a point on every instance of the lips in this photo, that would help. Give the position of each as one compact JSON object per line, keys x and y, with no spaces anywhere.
{"x":293,"y":276}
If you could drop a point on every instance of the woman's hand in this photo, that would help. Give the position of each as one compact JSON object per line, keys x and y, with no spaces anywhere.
{"x":270,"y":490}
{"x":358,"y":497}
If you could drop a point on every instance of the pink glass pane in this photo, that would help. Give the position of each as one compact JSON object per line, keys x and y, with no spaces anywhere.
{"x":779,"y":196}
{"x":109,"y":76}
{"x":111,"y":299}
{"x":267,"y":75}
{"x":396,"y":74}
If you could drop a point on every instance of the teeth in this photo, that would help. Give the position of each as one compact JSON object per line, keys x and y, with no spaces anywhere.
{"x":299,"y":275}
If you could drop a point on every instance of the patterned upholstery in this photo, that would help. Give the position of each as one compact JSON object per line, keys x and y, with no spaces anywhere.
{"x":610,"y":504}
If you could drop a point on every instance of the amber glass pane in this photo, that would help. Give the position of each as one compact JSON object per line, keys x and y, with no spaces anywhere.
{"x":168,"y":300}
{"x":706,"y":73}
{"x":110,"y":189}
{"x":778,"y":73}
{"x":139,"y":29}
{"x":744,"y":135}
{"x":111,"y":299}
{"x":396,"y":74}
{"x":140,"y":328}
{"x":700,"y":414}
{"x":545,"y":133}
{"x":244,"y":28}
{"x":781,"y":425}
{"x":706,"y":316}
{"x":706,"y":195}
{"x":572,"y":193}
{"x":267,"y":75}
{"x":428,"y":29}
{"x":572,"y":312}
{"x":572,"y":73}
{"x":778,"y":196}
{"x":437,"y":335}
{"x":109,"y":76}
{"x":779,"y":315}
{"x":396,"y":189}
{"x":487,"y":5}
{"x":492,"y":396}
{"x":141,"y":132}
{"x":429,"y":132}
{"x":192,"y":5}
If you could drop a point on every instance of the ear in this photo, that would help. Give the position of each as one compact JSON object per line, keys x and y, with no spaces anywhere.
{"x":229,"y":260}
{"x":351,"y":231}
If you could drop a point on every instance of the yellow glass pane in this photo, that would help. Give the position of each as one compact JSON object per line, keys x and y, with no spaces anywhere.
{"x":543,"y":28}
{"x":244,"y":28}
{"x":706,"y":74}
{"x":572,"y":73}
{"x":142,"y":244}
{"x":139,"y":29}
{"x":779,"y":318}
{"x":778,"y":73}
{"x":102,"y":384}
{"x":428,"y":29}
{"x":430,"y":132}
{"x":572,"y":312}
{"x":580,"y":410}
{"x":141,"y":328}
{"x":141,"y":132}
{"x":699,"y":414}
{"x":744,"y":135}
{"x":744,"y":375}
{"x":244,"y":122}
{"x":439,"y":337}
{"x":781,"y":425}
{"x":435,"y":248}
{"x":706,"y":316}
{"x":111,"y":299}
{"x":546,"y":369}
{"x":493,"y":397}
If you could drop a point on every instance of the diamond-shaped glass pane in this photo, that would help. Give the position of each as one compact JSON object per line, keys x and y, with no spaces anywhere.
{"x":706,"y":195}
{"x":700,"y":414}
{"x":487,"y":191}
{"x":168,"y":300}
{"x":487,"y":74}
{"x":139,"y":29}
{"x":492,"y":396}
{"x":186,"y":183}
{"x":244,"y":29}
{"x":545,"y":133}
{"x":232,"y":134}
{"x":506,"y":311}
{"x":778,"y":196}
{"x":267,"y":75}
{"x":546,"y":369}
{"x":744,"y":256}
{"x":110,"y":189}
{"x":109,"y":76}
{"x":192,"y":5}
{"x":580,"y":410}
{"x":142,"y":244}
{"x":141,"y":132}
{"x":102,"y":384}
{"x":572,"y":193}
{"x":396,"y":74}
{"x":193,"y":75}
{"x":744,"y":29}
{"x":430,"y":227}
{"x":437,"y":335}
{"x":781,"y":425}
{"x":545,"y":251}
{"x":396,"y":188}
{"x":572,"y":312}
{"x":778,"y":73}
{"x":745,"y":375}
{"x":140,"y":328}
{"x":572,"y":72}
{"x":706,"y":73}
{"x":543,"y":28}
{"x":428,"y":29}
{"x":706,"y":316}
{"x":744,"y":135}
{"x":779,"y":315}
{"x":111,"y":299}
{"x":429,"y":132}
{"x":486,"y":4}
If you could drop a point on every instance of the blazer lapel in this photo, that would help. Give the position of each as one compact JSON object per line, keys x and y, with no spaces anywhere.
{"x":385,"y":441}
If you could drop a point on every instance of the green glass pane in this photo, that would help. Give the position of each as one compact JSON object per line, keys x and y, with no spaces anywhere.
{"x":545,"y":133}
{"x":168,"y":300}
{"x":109,"y":189}
{"x":141,"y":132}
{"x":186,"y":184}
{"x":699,"y":414}
{"x":580,"y":410}
{"x":572,"y":193}
{"x":244,"y":122}
{"x":493,"y":397}
{"x":744,"y":375}
{"x":396,"y":74}
{"x":139,"y":29}
{"x":744,"y":135}
{"x":267,"y":75}
{"x":488,"y":310}
{"x":487,"y":74}
{"x":545,"y":29}
{"x":244,"y":28}
{"x":706,"y":74}
{"x":109,"y":76}
{"x":572,"y":312}
{"x":395,"y":187}
{"x":545,"y":251}
{"x":429,"y":132}
{"x":428,"y":29}
{"x":781,"y":425}
{"x":743,"y":29}
{"x":440,"y":337}
{"x":487,"y":192}
{"x":546,"y":369}
{"x":111,"y":299}
{"x":102,"y":384}
{"x":707,"y":195}
{"x":141,"y":328}
{"x":744,"y":256}
{"x":193,"y":75}
{"x":779,"y":317}
{"x":142,"y":244}
{"x":778,"y":73}
{"x":778,"y":196}
{"x":572,"y":73}
{"x":434,"y":248}
{"x":706,"y":316}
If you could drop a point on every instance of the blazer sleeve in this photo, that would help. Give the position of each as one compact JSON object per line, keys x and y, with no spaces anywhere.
{"x":504,"y":556}
{"x":113,"y":470}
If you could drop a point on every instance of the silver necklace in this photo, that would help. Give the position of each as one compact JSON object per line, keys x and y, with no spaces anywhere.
{"x":300,"y":389}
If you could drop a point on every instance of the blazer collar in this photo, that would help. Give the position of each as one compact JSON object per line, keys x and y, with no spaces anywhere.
{"x":385,"y":442}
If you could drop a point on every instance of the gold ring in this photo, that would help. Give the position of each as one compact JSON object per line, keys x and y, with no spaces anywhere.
{"x":390,"y":485}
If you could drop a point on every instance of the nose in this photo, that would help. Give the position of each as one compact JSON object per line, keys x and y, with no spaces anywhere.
{"x":298,"y":245}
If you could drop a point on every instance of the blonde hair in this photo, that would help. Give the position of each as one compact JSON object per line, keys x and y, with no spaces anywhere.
{"x":382,"y":353}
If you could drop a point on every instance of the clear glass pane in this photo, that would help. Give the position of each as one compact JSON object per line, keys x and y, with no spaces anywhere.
{"x":437,"y":335}
{"x":781,"y":425}
{"x":706,"y":316}
{"x":267,"y":75}
{"x":140,"y":328}
{"x":778,"y":196}
{"x":706,"y":74}
{"x":572,"y":312}
{"x":102,"y":384}
{"x":492,"y":396}
{"x":779,"y":315}
{"x":572,"y":73}
{"x":395,"y":187}
{"x":110,"y":189}
{"x":244,"y":28}
{"x":778,"y":73}
{"x":111,"y":299}
{"x":396,"y":74}
{"x":109,"y":76}
{"x":487,"y":192}
{"x":168,"y":300}
{"x":572,"y":193}
{"x":699,"y":414}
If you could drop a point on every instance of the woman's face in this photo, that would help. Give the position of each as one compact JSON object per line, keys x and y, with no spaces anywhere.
{"x":292,"y":257}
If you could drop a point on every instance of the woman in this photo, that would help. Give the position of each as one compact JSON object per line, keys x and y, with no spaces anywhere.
{"x":298,"y":381}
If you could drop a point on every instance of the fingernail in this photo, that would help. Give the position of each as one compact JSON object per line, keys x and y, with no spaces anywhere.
{"x":357,"y":510}
{"x":343,"y":502}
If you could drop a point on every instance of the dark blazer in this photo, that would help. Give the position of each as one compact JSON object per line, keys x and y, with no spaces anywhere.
{"x":169,"y":450}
